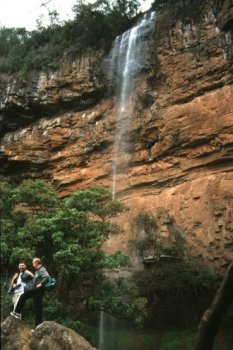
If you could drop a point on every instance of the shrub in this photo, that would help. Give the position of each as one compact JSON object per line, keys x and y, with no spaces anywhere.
{"x":177,"y":292}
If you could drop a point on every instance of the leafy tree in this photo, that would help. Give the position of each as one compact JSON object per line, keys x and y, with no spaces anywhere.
{"x":177,"y":292}
{"x":95,"y":26}
{"x":38,"y":196}
{"x":181,"y":9}
{"x":68,"y":235}
{"x":122,"y":299}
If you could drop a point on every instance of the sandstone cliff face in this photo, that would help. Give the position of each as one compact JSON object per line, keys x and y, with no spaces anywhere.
{"x":181,"y":154}
{"x":76,"y":85}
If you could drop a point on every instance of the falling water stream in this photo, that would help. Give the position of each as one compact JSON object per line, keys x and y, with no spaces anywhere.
{"x":126,"y":60}
{"x":101,"y":330}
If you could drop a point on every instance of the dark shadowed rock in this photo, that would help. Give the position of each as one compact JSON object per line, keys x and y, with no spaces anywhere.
{"x":225,"y":16}
{"x":15,"y":335}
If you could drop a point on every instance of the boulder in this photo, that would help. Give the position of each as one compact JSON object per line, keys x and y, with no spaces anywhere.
{"x":15,"y":335}
{"x":53,"y":336}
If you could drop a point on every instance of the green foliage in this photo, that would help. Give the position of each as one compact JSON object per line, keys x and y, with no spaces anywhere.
{"x":161,"y":4}
{"x":179,"y":280}
{"x":116,"y":260}
{"x":148,"y":222}
{"x":16,"y":217}
{"x":68,"y":235}
{"x":95,"y":26}
{"x":7,"y":199}
{"x":5,"y":300}
{"x":186,"y":10}
{"x":183,"y":340}
{"x":150,"y":243}
{"x":178,"y":292}
{"x":122,"y":299}
{"x":38,"y":195}
{"x":55,"y":309}
{"x":172,"y":341}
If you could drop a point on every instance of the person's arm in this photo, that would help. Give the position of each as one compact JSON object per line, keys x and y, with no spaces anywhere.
{"x":44,"y":277}
{"x":14,"y":280}
{"x":29,"y":273}
{"x":13,"y":283}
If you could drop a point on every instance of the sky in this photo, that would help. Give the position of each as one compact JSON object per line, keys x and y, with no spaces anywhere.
{"x":24,"y":13}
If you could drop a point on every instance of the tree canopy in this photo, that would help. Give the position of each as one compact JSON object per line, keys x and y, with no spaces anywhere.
{"x":68,"y":235}
{"x":95,"y":26}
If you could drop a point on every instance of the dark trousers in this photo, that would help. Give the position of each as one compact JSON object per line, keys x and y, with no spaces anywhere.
{"x":37,"y":296}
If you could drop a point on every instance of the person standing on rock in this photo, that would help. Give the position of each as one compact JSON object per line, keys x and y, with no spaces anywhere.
{"x":34,"y":290}
{"x":19,"y":281}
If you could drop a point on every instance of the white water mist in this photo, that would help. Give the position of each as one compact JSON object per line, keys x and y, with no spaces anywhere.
{"x":101,"y":330}
{"x":126,"y":60}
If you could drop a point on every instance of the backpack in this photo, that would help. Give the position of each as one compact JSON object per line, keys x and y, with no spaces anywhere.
{"x":50,"y":284}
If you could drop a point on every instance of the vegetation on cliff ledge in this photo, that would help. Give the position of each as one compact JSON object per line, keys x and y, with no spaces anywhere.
{"x":95,"y":26}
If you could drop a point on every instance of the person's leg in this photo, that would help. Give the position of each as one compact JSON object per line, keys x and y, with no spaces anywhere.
{"x":21,"y":301}
{"x":38,"y":296}
{"x":15,"y":299}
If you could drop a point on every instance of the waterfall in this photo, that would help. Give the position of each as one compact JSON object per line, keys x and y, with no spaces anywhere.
{"x":101,"y":330}
{"x":108,"y":333}
{"x":126,"y":60}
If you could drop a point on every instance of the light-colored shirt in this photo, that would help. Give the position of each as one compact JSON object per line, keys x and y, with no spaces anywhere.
{"x":22,"y":284}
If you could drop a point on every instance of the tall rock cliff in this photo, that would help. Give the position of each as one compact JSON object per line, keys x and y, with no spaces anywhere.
{"x":60,"y":126}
